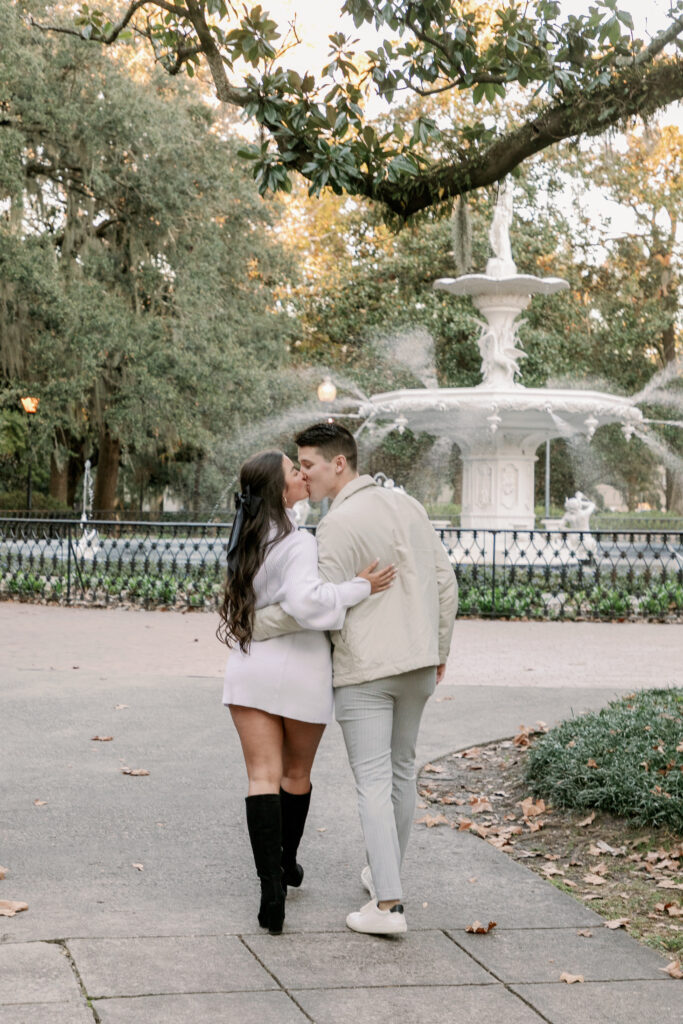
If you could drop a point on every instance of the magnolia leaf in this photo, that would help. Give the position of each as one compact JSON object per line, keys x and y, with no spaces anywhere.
{"x":531,"y":808}
{"x":477,"y":928}
{"x":134,"y":771}
{"x":102,"y":739}
{"x":8,"y":908}
{"x":140,"y":867}
{"x":436,"y":768}
{"x":479,"y":804}
{"x":594,"y":879}
{"x":3,"y":872}
{"x":586,"y":933}
{"x":674,"y":969}
{"x":571,"y":978}
{"x":618,"y":922}
{"x":431,"y":820}
{"x":586,"y":821}
{"x":39,"y":803}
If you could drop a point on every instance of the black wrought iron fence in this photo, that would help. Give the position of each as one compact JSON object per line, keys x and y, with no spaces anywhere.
{"x":503,"y":574}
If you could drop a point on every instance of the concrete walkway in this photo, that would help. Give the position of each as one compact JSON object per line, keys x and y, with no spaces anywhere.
{"x":141,"y":890}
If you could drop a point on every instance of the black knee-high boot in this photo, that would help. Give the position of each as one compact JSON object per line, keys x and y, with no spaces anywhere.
{"x":264,"y":821}
{"x":294,"y":813}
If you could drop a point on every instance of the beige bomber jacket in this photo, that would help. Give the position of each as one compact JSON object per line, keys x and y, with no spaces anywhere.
{"x":406,"y":627}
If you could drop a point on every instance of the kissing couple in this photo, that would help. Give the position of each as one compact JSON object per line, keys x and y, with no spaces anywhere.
{"x":357,"y":621}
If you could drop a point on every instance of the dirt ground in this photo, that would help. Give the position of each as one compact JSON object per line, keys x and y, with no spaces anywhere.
{"x":633,"y":877}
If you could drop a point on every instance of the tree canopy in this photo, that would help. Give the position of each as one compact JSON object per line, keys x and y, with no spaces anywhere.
{"x":138,"y":279}
{"x":566,"y":75}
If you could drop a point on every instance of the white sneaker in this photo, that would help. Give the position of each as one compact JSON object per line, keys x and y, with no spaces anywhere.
{"x":366,"y":879}
{"x":372,"y":921}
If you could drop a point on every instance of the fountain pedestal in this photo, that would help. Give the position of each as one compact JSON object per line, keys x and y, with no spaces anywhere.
{"x":497,"y":491}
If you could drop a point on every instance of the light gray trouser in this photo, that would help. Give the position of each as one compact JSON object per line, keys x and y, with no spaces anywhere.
{"x":380,"y":722}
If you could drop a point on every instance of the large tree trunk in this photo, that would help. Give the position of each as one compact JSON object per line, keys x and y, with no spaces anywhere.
{"x":108,"y":461}
{"x":673,"y":490}
{"x":59,"y":477}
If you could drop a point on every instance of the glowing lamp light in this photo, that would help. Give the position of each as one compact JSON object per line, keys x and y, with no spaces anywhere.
{"x":327,"y":392}
{"x":30,"y":405}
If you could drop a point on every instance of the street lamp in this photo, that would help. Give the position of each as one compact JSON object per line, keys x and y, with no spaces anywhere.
{"x":327,"y":391}
{"x":30,"y":407}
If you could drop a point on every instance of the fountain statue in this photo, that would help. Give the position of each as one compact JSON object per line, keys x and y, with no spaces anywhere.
{"x":499,"y":424}
{"x":576,"y":524}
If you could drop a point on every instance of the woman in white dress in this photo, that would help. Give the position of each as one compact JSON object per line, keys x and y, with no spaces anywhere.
{"x":279,"y":691}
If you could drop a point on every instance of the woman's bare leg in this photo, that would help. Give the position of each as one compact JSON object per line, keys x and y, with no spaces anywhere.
{"x":299,"y":748}
{"x":261,"y":736}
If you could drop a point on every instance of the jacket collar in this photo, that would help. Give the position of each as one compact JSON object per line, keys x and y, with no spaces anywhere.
{"x":359,"y":483}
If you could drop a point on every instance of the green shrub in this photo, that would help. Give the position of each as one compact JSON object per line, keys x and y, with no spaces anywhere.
{"x":626,"y":759}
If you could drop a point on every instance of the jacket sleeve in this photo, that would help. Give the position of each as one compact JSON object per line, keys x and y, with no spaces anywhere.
{"x":271,"y":621}
{"x":315,"y":604}
{"x":447,"y":586}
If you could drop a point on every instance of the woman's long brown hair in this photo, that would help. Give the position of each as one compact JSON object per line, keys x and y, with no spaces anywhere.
{"x":263,"y":473}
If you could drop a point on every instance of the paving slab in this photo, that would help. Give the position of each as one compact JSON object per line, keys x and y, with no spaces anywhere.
{"x":36,"y":972}
{"x":436,"y":1004}
{"x":161,"y":966}
{"x":226,"y":1008}
{"x":46,"y":1013}
{"x":344,"y":958}
{"x":541,"y":955}
{"x":616,"y":1002}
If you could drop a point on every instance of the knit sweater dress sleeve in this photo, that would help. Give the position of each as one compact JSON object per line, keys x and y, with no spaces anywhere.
{"x":313,"y":603}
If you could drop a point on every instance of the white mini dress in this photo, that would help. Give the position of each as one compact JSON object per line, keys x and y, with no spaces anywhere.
{"x":291,"y":675}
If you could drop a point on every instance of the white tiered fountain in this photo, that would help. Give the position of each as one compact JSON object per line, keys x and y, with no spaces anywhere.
{"x":499,"y":424}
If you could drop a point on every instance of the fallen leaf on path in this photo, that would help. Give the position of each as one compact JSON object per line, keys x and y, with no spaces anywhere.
{"x":570,"y":978}
{"x":614,"y":851}
{"x":3,"y":871}
{"x":102,"y":739}
{"x":674,"y":969}
{"x":431,"y":820}
{"x":140,"y":867}
{"x":618,"y":922}
{"x":478,"y":804}
{"x":8,"y":908}
{"x":464,"y":824}
{"x":134,"y":771}
{"x":39,"y":803}
{"x":534,"y":826}
{"x":668,"y":883}
{"x":472,"y":880}
{"x":470,"y":752}
{"x":477,"y":928}
{"x":599,"y":869}
{"x":452,"y":800}
{"x":550,"y":869}
{"x":323,"y":829}
{"x":572,"y":885}
{"x":425,"y":905}
{"x":531,"y":808}
{"x":586,"y":821}
{"x":436,"y":768}
{"x":120,"y":707}
{"x":586,"y":933}
{"x":594,"y":879}
{"x":591,"y":896}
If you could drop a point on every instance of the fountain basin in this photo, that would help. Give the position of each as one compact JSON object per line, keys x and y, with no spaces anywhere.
{"x":498,"y":432}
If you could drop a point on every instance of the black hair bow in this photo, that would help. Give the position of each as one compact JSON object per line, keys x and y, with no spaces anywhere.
{"x":246,"y":504}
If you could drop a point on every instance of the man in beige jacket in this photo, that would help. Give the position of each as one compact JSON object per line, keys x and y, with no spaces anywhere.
{"x":388,"y":656}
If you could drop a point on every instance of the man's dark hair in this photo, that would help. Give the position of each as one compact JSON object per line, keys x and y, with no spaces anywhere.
{"x":331,"y":439}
